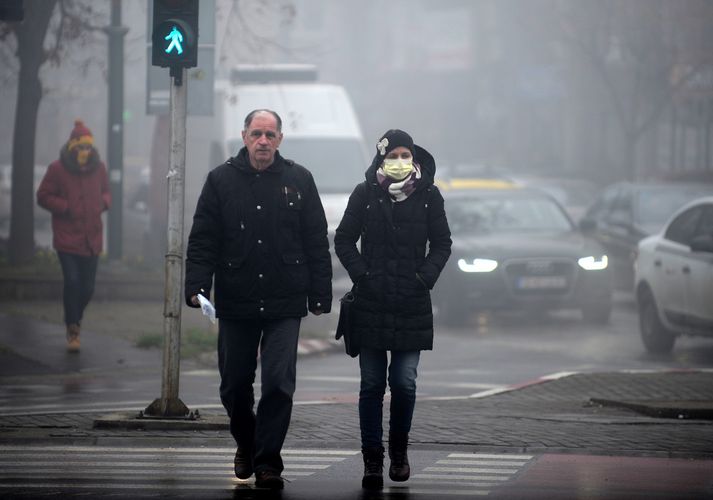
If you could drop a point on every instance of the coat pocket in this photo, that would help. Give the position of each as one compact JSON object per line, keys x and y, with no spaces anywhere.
{"x":297,"y":274}
{"x":234,"y":281}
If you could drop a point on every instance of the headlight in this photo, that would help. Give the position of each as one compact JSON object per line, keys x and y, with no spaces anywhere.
{"x":593,"y":263}
{"x":477,"y":266}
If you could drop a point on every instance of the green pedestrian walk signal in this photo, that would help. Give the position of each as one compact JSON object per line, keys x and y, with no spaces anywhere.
{"x":175,"y":33}
{"x":176,"y":40}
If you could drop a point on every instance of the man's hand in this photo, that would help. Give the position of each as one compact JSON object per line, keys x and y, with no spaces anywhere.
{"x":194,"y":300}
{"x":317,"y":312}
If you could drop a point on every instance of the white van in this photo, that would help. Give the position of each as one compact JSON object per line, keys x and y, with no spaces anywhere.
{"x":321,"y":130}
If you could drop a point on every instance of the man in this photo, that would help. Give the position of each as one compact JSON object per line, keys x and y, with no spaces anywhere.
{"x":260,"y":229}
{"x":75,"y":190}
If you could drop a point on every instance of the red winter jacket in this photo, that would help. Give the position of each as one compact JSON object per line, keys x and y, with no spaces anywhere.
{"x":76,"y":198}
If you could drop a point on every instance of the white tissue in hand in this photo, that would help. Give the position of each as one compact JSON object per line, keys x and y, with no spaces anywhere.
{"x":207,"y":308}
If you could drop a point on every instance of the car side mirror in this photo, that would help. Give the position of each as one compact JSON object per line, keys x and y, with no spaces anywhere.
{"x":587,"y":225}
{"x":702,"y":243}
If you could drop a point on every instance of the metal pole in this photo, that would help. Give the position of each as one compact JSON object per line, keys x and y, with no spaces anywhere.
{"x":115,"y":143}
{"x":169,"y":405}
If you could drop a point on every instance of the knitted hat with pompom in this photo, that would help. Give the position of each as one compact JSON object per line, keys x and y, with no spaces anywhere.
{"x":80,"y":135}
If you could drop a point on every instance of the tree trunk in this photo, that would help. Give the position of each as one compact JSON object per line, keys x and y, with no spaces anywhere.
{"x":30,"y":39}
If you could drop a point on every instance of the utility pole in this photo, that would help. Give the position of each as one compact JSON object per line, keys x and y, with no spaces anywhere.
{"x":115,"y":142}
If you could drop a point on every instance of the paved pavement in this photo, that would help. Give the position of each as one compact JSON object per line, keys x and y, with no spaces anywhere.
{"x":570,"y":414}
{"x":555,"y":415}
{"x":579,"y":412}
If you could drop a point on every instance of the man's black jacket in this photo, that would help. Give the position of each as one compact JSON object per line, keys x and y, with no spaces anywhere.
{"x":263,"y":235}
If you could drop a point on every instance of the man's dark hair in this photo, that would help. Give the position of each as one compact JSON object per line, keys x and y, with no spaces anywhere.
{"x":251,"y":115}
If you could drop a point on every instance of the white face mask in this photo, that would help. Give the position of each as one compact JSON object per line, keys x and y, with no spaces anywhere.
{"x":398,"y":168}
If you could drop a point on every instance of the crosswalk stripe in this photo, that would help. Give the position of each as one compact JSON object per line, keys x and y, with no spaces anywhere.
{"x":162,"y":465}
{"x":31,"y":458}
{"x":456,"y":477}
{"x":478,"y":470}
{"x":496,"y":463}
{"x":108,"y":486}
{"x":319,"y":452}
{"x":206,"y":450}
{"x":490,"y":455}
{"x":100,"y":449}
{"x":136,"y":473}
{"x":423,"y":491}
{"x":460,"y":483}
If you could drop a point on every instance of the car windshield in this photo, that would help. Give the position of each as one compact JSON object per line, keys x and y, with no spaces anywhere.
{"x":654,"y":206}
{"x":337,"y":164}
{"x":506,"y":214}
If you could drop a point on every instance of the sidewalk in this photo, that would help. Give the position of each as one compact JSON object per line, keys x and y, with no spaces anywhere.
{"x":548,"y":416}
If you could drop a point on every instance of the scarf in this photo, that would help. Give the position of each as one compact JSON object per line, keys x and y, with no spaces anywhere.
{"x":399,"y":190}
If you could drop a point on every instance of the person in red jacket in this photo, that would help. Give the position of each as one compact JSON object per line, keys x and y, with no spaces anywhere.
{"x":75,"y":189}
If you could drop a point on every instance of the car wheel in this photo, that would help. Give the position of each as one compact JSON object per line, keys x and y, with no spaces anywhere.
{"x":598,"y":313}
{"x":656,"y":338}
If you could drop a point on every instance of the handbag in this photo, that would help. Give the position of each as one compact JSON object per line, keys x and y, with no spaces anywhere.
{"x":344,"y":326}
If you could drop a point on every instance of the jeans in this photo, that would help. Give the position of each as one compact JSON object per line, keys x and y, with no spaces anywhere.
{"x":402,"y":383}
{"x":238,"y":340}
{"x":79,"y":275}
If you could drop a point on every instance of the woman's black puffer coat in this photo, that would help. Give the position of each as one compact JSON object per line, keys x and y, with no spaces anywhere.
{"x":404,"y":247}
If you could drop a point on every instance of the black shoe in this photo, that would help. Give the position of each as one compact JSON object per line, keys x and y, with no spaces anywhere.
{"x":399,"y":470}
{"x":269,"y":479}
{"x":373,"y":468}
{"x":243,"y":464}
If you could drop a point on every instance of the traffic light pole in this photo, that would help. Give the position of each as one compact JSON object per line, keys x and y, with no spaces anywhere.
{"x":169,"y":405}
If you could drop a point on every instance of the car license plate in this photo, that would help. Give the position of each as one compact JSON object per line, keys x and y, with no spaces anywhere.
{"x":535,"y":282}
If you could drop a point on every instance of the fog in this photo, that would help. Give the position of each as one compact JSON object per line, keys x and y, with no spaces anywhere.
{"x":605,"y":90}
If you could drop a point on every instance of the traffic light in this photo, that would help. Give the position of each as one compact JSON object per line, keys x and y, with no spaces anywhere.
{"x":175,"y":33}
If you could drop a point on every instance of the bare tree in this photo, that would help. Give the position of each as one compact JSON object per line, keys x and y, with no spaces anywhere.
{"x":68,"y":23}
{"x":634,"y":48}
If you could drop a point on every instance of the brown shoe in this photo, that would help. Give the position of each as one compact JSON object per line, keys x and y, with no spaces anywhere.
{"x":73,"y":337}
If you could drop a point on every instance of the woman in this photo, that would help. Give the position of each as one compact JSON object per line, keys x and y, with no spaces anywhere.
{"x":405,"y":242}
{"x":75,"y":190}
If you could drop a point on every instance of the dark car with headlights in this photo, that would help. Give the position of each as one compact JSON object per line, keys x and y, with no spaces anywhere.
{"x":517,"y":249}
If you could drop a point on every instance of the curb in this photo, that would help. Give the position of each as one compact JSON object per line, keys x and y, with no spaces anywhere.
{"x":137,"y":421}
{"x":699,"y":410}
{"x":523,"y":385}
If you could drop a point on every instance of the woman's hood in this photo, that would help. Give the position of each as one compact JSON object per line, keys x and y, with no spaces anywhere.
{"x":421,"y":157}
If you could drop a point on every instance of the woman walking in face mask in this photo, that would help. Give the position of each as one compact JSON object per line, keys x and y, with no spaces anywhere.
{"x":75,"y":190}
{"x":405,"y":242}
